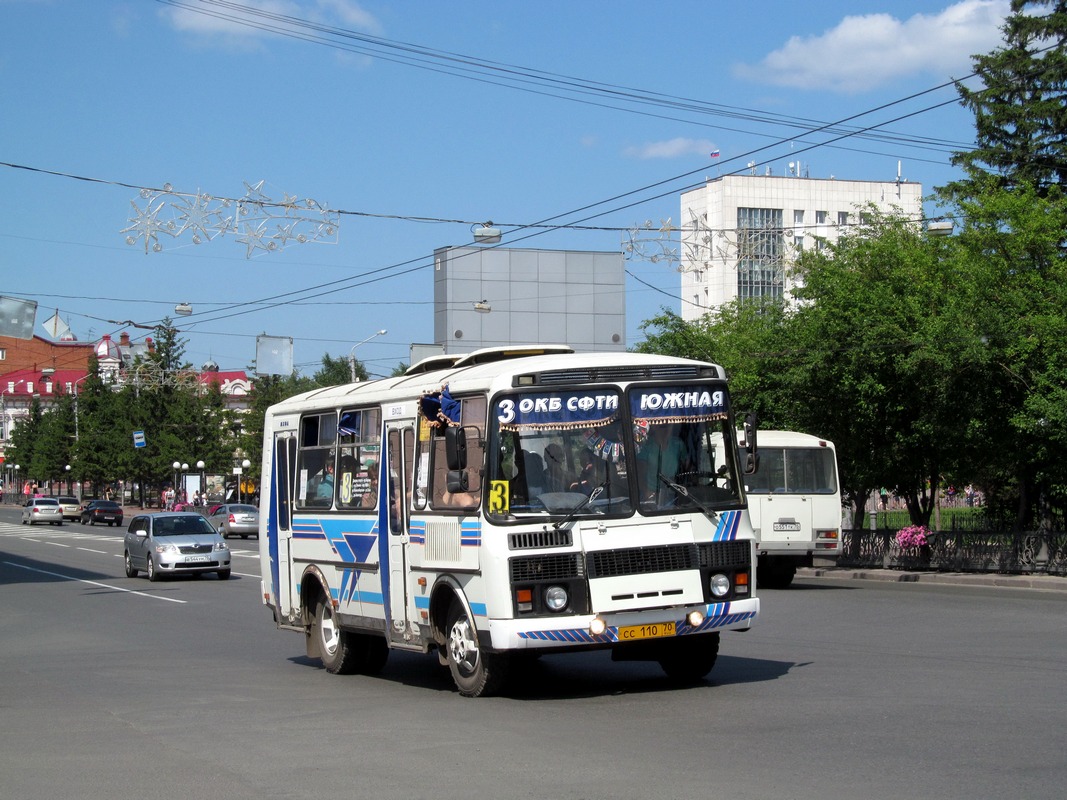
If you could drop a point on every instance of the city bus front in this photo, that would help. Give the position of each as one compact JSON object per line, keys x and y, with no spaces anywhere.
{"x":623,"y":511}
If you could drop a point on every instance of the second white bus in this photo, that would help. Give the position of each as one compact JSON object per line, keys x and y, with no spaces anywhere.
{"x":794,"y":500}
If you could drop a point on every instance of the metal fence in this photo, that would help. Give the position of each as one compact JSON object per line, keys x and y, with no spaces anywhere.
{"x":959,"y":551}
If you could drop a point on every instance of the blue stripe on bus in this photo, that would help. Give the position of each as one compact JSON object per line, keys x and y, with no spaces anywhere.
{"x":718,"y":616}
{"x":726,"y":530}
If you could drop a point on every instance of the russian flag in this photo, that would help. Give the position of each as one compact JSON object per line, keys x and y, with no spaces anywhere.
{"x":714,"y":153}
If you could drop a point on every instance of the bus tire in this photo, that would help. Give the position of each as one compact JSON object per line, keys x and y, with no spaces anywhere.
{"x":475,"y":672}
{"x":775,"y":574}
{"x":690,"y":658}
{"x":334,"y":644}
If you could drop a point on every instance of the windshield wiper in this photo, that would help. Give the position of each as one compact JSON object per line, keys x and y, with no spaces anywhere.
{"x":684,"y":492}
{"x":593,"y":495}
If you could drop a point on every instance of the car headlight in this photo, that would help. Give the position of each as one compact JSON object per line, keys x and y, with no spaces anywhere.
{"x":556,"y":598}
{"x":166,"y":548}
{"x":221,"y":545}
{"x":719,"y":584}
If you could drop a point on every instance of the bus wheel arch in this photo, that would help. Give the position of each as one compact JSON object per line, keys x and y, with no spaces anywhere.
{"x":313,"y":590}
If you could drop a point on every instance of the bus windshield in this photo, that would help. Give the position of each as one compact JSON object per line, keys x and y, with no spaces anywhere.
{"x":587,"y":452}
{"x":794,"y":470}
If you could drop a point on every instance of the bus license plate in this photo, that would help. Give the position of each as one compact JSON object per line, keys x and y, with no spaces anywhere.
{"x":653,"y":630}
{"x":786,"y":526}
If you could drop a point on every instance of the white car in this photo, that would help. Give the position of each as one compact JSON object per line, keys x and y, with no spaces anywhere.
{"x":172,"y":543}
{"x":42,"y":509}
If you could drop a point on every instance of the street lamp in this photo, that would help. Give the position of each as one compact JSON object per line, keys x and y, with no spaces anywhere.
{"x":66,"y":469}
{"x":18,"y":487}
{"x":185,"y":493}
{"x":241,"y":478}
{"x":203,"y":493}
{"x":351,"y":353}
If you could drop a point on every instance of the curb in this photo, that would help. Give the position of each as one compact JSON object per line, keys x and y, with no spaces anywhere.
{"x":1046,"y":583}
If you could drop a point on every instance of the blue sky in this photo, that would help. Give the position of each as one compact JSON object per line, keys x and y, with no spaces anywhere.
{"x":455,"y":113}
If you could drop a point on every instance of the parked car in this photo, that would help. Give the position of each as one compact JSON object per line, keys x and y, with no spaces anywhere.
{"x":174,"y":542}
{"x":42,"y":509}
{"x":69,"y":506}
{"x":102,"y":511}
{"x":238,"y":519}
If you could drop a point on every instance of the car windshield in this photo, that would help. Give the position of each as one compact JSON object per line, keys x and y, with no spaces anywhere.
{"x":109,"y":504}
{"x":181,"y":526}
{"x":45,"y":502}
{"x":241,"y":509}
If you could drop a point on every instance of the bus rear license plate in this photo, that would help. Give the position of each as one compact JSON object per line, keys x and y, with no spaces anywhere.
{"x":653,"y":630}
{"x":786,"y":526}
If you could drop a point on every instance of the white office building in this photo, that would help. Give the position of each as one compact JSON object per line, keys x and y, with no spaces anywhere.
{"x":741,"y":232}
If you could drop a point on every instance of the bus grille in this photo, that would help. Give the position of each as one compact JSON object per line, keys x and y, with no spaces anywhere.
{"x":555,"y":567}
{"x":641,"y":560}
{"x":536,"y":539}
{"x":714,"y":555}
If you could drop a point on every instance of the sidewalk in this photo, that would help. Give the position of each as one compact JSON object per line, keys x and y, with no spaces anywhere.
{"x":1045,"y":583}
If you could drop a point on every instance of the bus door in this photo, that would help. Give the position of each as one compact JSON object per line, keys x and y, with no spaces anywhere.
{"x":280,"y":521}
{"x":395,"y":487}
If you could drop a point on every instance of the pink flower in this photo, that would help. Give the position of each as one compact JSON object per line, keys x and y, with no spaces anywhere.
{"x":913,"y":536}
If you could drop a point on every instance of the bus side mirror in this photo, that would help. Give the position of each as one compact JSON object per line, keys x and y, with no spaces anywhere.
{"x":751,"y":454}
{"x":456,"y":481}
{"x":456,"y":448}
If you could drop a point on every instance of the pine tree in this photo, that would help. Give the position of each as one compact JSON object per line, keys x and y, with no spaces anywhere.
{"x":1020,"y":111}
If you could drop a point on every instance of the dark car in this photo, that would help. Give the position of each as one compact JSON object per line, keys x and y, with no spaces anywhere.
{"x":102,"y":511}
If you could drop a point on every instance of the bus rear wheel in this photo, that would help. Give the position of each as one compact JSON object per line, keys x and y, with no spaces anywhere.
{"x":690,"y":658}
{"x":475,"y":672}
{"x":346,"y":652}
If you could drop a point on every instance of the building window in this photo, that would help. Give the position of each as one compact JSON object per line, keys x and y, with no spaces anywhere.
{"x":842,"y":218}
{"x":798,"y":216}
{"x":820,"y":217}
{"x":798,"y":243}
{"x":760,"y":246}
{"x":3,"y":354}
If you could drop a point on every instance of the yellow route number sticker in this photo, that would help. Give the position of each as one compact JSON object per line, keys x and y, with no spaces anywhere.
{"x":498,"y":497}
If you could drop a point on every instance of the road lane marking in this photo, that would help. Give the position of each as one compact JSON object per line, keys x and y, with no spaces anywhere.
{"x":94,"y":583}
{"x":91,"y":550}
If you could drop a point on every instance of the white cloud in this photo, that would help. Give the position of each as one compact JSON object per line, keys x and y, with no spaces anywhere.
{"x":672,"y":148}
{"x":342,"y":13}
{"x":863,"y":52}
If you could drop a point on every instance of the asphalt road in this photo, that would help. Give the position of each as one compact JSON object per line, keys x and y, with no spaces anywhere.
{"x":117,"y":688}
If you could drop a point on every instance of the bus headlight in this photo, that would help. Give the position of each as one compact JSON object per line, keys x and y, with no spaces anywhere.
{"x":556,"y":598}
{"x":719,"y":584}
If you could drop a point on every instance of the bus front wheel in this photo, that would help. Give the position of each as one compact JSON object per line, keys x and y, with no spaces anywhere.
{"x":690,"y":658}
{"x":475,"y":672}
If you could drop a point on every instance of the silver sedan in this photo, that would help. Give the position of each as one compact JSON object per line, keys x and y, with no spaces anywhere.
{"x":170,"y":543}
{"x":235,"y":519}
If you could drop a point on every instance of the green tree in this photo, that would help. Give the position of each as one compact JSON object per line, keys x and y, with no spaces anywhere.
{"x":1020,"y":111}
{"x":1012,"y":240}
{"x":888,"y":356}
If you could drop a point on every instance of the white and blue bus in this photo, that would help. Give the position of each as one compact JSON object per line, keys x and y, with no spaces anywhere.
{"x":510,"y":503}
